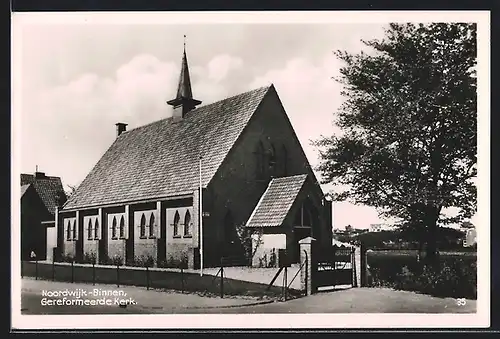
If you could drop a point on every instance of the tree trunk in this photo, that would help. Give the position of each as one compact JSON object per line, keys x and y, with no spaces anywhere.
{"x":431,"y":218}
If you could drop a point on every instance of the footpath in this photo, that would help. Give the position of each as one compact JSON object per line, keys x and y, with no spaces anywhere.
{"x":138,"y":298}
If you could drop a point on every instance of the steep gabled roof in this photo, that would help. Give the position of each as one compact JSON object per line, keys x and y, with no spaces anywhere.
{"x":50,"y":189}
{"x":24,"y":188}
{"x":161,"y":159}
{"x":276,"y":201}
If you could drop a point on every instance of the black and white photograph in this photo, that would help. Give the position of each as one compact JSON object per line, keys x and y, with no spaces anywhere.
{"x":250,"y":170}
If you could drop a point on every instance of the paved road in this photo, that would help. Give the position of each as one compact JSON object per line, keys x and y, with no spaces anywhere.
{"x":361,"y":300}
{"x":41,"y":297}
{"x":355,"y":300}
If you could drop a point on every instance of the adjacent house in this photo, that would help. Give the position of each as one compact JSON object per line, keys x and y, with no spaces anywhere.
{"x":40,"y":196}
{"x":178,"y":190}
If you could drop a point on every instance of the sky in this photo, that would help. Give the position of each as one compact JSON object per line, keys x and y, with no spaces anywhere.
{"x":77,"y":80}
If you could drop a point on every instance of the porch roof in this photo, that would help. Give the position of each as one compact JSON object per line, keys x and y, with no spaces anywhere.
{"x":275,"y":203}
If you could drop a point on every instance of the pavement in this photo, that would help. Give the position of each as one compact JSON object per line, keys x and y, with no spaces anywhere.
{"x":142,"y":301}
{"x":361,"y":300}
{"x":79,"y":298}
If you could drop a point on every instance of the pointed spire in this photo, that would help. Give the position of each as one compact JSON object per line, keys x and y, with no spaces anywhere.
{"x":184,"y":101}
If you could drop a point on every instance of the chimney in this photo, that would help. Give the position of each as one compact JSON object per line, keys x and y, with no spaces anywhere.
{"x":120,"y":128}
{"x":39,"y":175}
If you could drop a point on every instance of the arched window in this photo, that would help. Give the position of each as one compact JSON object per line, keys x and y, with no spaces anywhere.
{"x":113,"y":228}
{"x":74,"y":230}
{"x":272,"y":160}
{"x":152,"y":225}
{"x":228,"y":228}
{"x":187,"y":224}
{"x":307,"y":219}
{"x":303,"y":216}
{"x":284,"y":160}
{"x":122,"y":227}
{"x":176,"y":223}
{"x":143,"y":226}
{"x":68,"y":230}
{"x":260,"y":161}
{"x":96,"y":229}
{"x":89,"y":230}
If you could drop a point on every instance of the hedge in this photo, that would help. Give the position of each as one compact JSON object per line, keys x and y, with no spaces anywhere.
{"x":454,"y":276}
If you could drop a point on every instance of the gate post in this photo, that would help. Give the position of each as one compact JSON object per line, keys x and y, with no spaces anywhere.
{"x":356,"y":267}
{"x":306,"y":273}
{"x":360,"y":266}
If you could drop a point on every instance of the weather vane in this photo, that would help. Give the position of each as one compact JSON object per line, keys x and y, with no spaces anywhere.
{"x":184,"y":41}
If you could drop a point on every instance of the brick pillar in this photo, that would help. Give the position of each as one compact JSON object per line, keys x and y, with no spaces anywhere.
{"x":360,"y":268}
{"x":193,"y":263}
{"x":78,"y":247}
{"x":160,"y":249}
{"x":356,"y":268}
{"x":306,"y":273}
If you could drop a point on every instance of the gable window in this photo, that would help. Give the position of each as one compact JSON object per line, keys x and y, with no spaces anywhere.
{"x":89,"y":230}
{"x":187,"y":224}
{"x":152,"y":226}
{"x":303,"y":216}
{"x":284,"y":155}
{"x":272,"y":160}
{"x":122,"y":228}
{"x":68,"y":230}
{"x":143,"y":226}
{"x":96,"y":230}
{"x":176,"y":224}
{"x":113,"y":229}
{"x":260,"y":161}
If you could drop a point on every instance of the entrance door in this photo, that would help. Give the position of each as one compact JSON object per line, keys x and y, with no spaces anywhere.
{"x":299,"y":234}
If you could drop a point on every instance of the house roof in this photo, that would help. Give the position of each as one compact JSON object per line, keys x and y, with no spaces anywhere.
{"x":48,"y":188}
{"x":276,"y":201}
{"x":24,"y":188}
{"x":161,"y":159}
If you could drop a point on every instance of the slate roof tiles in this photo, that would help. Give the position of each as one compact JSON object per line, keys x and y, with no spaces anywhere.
{"x":161,"y":159}
{"x":276,"y":201}
{"x":50,"y":189}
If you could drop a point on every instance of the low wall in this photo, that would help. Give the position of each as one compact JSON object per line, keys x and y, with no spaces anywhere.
{"x":162,"y":278}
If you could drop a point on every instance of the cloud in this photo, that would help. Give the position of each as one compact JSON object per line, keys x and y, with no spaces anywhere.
{"x":67,"y":128}
{"x":221,"y":65}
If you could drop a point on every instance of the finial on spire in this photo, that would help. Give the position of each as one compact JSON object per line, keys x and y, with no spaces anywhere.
{"x":36,"y":168}
{"x":184,"y":98}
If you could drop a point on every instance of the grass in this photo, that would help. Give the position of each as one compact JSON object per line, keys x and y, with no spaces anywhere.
{"x":153,"y":278}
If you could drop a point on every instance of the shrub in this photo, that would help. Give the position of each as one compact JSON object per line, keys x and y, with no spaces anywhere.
{"x":172,"y":262}
{"x":89,"y":258}
{"x":144,"y":261}
{"x":454,"y":276}
{"x":117,"y":260}
{"x":66,"y":258}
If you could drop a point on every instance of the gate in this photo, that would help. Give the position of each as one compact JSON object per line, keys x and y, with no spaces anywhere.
{"x":334,"y":266}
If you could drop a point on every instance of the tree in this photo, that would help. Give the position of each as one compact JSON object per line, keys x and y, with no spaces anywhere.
{"x":467,"y":225}
{"x":250,"y":239}
{"x":71,"y":190}
{"x":408,"y":146}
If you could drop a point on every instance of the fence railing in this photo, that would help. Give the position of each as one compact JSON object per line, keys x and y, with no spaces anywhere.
{"x":179,"y":280}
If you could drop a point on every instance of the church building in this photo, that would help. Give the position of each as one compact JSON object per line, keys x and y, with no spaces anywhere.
{"x":141,"y":201}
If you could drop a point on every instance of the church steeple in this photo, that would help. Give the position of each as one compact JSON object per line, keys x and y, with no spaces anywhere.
{"x":184,"y":101}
